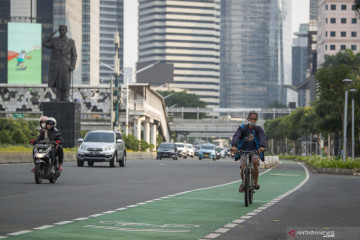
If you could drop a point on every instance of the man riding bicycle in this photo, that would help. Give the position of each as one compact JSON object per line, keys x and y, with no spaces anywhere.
{"x":249,"y":137}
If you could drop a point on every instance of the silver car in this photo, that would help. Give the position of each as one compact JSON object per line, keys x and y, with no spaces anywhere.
{"x":102,"y":146}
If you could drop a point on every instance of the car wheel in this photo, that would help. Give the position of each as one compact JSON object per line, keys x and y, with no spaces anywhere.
{"x":174,"y":158}
{"x":80,"y":163}
{"x":122,"y":162}
{"x":90,"y":163}
{"x":113,"y":160}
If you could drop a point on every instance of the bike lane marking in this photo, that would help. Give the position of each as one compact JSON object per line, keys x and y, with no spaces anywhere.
{"x":196,"y":214}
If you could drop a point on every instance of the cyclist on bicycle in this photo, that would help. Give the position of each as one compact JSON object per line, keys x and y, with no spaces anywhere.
{"x":249,"y":137}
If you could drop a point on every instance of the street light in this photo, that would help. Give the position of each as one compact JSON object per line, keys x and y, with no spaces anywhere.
{"x":127,"y":93}
{"x":352,"y":123}
{"x":346,"y":81}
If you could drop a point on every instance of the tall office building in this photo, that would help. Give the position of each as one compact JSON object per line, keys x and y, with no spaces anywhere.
{"x":91,"y":41}
{"x":187,"y":35}
{"x":312,"y":37}
{"x":300,"y":60}
{"x":255,"y":52}
{"x":36,"y":11}
{"x":338,"y":28}
{"x":111,"y":20}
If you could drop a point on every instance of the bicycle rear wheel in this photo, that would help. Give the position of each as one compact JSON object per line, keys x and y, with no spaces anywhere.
{"x":246,"y":186}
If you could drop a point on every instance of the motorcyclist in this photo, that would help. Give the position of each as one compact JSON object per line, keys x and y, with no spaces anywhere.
{"x":42,"y":123}
{"x":54,"y":136}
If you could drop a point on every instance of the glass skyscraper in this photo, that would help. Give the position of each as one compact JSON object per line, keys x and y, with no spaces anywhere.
{"x":187,"y":35}
{"x":255,"y":52}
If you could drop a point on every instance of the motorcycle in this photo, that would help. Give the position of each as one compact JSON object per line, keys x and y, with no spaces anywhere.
{"x":43,"y":162}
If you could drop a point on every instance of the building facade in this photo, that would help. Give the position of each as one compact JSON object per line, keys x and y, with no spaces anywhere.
{"x":300,"y":60}
{"x":255,"y":52}
{"x":187,"y":35}
{"x":338,"y":28}
{"x":111,"y":21}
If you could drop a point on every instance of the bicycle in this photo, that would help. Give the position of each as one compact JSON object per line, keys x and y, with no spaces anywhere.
{"x":248,"y":177}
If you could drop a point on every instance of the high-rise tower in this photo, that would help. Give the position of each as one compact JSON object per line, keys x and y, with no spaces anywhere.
{"x":187,"y":35}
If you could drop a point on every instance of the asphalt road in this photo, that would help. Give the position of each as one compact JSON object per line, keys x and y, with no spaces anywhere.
{"x":323,"y":201}
{"x":84,"y":191}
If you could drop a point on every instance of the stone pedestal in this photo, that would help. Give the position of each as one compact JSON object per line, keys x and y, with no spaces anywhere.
{"x":68,"y":117}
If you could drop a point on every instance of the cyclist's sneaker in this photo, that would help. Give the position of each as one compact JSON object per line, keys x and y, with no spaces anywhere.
{"x":52,"y":170}
{"x":241,"y":188}
{"x":257,"y":186}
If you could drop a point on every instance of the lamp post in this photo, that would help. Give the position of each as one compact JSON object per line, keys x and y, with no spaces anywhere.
{"x":352,"y":123}
{"x":346,"y":81}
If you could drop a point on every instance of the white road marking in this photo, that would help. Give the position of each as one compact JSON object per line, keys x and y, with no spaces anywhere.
{"x":212,"y":235}
{"x":63,"y":222}
{"x":43,"y":227}
{"x":285,"y":174}
{"x":96,"y":215}
{"x":19,"y":233}
{"x":3,"y":237}
{"x":107,"y":212}
{"x":80,"y":219}
{"x":222,"y":230}
{"x":230,"y":225}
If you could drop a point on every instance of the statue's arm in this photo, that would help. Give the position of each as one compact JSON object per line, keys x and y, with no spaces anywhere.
{"x":47,"y":40}
{"x":73,"y":56}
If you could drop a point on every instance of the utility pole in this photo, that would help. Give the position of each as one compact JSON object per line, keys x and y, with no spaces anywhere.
{"x":117,"y":73}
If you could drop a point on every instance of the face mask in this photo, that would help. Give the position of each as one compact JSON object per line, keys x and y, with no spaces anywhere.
{"x":43,"y":125}
{"x":251,"y":123}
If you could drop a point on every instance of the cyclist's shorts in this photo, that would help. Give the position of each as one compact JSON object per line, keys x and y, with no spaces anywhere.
{"x":254,"y":156}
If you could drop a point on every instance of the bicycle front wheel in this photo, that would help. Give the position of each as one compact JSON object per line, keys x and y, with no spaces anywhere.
{"x":251,"y":188}
{"x":246,"y":186}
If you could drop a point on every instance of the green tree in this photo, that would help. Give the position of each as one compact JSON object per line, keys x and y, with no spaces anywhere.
{"x":19,"y":137}
{"x":5,"y":137}
{"x":183,"y":99}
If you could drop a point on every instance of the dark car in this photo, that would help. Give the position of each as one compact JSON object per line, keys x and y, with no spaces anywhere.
{"x":166,"y":150}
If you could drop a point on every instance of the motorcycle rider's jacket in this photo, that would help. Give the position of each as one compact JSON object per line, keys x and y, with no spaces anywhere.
{"x":52,"y":134}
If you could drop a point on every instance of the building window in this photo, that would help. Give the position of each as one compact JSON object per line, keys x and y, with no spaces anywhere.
{"x":343,"y":20}
{"x":353,"y":7}
{"x":326,"y":34}
{"x":332,"y":47}
{"x":354,"y":20}
{"x":332,"y":20}
{"x":343,"y":34}
{"x":325,"y":47}
{"x":342,"y":47}
{"x":353,"y":47}
{"x":332,"y":34}
{"x":333,"y":7}
{"x":353,"y":34}
{"x":326,"y":20}
{"x":327,"y":7}
{"x":343,"y":7}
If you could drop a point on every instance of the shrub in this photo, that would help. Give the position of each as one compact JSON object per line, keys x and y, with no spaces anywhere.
{"x":19,"y":137}
{"x":5,"y":137}
{"x":131,"y":143}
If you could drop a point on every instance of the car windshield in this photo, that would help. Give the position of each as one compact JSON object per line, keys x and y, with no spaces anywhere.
{"x":208,"y":147}
{"x":166,"y":145}
{"x":180,"y":145}
{"x":189,"y":146}
{"x":197,"y":147}
{"x":99,"y":137}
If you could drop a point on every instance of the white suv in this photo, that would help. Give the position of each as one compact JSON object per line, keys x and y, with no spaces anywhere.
{"x":182,"y":149}
{"x":102,"y":146}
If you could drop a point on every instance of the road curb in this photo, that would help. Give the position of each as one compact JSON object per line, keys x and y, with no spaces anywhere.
{"x":26,"y":157}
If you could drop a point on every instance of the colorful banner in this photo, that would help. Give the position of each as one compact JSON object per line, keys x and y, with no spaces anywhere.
{"x":24,"y":53}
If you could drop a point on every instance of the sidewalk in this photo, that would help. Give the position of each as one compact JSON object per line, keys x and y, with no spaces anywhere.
{"x":26,"y":157}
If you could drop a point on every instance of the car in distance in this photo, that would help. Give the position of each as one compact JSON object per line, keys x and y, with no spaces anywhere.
{"x":197,"y":148}
{"x":166,"y":150}
{"x":207,"y":151}
{"x":182,"y":149}
{"x":191,"y":150}
{"x":102,"y":146}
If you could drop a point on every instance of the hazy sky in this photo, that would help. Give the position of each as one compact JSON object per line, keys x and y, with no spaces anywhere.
{"x":300,"y":14}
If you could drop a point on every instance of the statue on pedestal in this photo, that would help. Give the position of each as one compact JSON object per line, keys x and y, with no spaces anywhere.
{"x":62,"y":62}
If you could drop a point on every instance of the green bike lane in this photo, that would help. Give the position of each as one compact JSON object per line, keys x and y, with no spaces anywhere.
{"x":193,"y":214}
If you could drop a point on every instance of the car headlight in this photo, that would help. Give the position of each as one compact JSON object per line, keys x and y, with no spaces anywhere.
{"x":83,"y":147}
{"x":108,"y":148}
